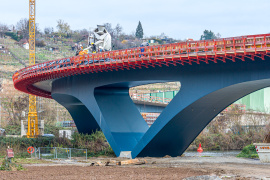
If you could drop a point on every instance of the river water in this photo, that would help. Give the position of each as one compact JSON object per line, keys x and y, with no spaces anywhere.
{"x":212,"y":153}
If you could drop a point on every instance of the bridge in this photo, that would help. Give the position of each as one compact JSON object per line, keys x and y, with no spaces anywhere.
{"x":94,"y":88}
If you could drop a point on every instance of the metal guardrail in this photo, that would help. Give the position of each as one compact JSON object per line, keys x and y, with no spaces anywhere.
{"x":60,"y":153}
{"x":147,"y":98}
{"x":232,"y":49}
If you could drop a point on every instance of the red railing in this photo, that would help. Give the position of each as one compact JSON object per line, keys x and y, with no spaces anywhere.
{"x":235,"y":48}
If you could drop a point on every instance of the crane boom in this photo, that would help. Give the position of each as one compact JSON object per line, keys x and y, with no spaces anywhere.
{"x":32,"y":130}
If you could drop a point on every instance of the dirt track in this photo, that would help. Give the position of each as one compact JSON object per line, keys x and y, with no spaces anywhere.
{"x":156,"y":168}
{"x":77,"y":172}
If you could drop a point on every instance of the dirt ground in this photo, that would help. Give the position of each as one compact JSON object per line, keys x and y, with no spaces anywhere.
{"x":78,"y":172}
{"x":156,"y":168}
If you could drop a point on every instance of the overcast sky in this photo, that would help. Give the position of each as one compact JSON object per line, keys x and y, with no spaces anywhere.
{"x":179,"y":19}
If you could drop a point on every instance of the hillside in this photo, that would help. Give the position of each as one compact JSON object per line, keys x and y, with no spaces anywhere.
{"x":13,"y":56}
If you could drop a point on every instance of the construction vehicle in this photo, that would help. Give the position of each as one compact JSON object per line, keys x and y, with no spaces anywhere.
{"x":98,"y":41}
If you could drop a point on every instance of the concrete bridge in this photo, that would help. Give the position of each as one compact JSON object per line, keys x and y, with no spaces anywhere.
{"x":94,"y":88}
{"x":147,"y":103}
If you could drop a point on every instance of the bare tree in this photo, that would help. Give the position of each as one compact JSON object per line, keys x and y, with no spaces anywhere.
{"x":80,"y":35}
{"x":109,"y":28}
{"x":13,"y":103}
{"x":23,"y":27}
{"x":3,"y":29}
{"x":15,"y":106}
{"x":63,"y":27}
{"x":48,"y":30}
{"x":118,"y":30}
{"x":218,"y":35}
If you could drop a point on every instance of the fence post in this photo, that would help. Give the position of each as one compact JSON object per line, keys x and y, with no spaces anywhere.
{"x":39,"y":152}
{"x":86,"y":155}
{"x":69,"y":153}
{"x":35,"y":152}
{"x":55,"y":153}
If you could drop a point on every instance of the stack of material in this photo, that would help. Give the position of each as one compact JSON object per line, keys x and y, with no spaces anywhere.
{"x":119,"y":163}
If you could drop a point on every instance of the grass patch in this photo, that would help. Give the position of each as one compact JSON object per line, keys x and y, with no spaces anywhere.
{"x":249,"y":151}
{"x":10,"y":166}
{"x":30,"y":161}
{"x":26,"y":161}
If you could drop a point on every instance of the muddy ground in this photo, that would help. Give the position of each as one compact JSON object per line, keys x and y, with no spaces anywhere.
{"x":156,"y":168}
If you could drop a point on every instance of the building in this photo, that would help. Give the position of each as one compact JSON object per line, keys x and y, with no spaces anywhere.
{"x":26,"y":45}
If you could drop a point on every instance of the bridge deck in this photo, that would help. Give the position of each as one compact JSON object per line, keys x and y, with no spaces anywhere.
{"x":204,"y":51}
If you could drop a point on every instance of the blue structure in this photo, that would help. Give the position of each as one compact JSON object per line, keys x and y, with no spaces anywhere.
{"x":102,"y":101}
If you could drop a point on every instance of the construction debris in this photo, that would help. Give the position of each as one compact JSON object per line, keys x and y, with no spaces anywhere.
{"x":131,"y":161}
{"x":167,"y":156}
{"x":99,"y":163}
{"x":119,"y":163}
{"x":92,"y":164}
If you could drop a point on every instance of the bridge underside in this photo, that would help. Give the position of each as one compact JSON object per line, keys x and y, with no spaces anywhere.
{"x":102,"y":101}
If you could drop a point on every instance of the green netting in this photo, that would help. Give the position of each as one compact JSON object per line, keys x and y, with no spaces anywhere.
{"x":257,"y":101}
{"x":168,"y":94}
{"x":267,"y":99}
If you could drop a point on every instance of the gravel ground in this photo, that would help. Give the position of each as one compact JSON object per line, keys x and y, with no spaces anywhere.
{"x":156,"y":168}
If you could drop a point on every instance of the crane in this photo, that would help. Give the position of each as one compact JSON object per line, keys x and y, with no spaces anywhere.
{"x":33,"y":130}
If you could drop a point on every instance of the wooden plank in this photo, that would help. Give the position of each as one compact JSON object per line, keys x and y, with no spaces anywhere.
{"x":131,"y":161}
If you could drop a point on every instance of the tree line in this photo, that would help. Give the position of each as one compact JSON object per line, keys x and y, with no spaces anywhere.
{"x":63,"y":31}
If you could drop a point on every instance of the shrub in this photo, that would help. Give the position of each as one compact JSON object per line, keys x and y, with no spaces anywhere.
{"x":13,"y":36}
{"x":95,"y":144}
{"x":40,"y":43}
{"x":13,"y":129}
{"x":10,"y":166}
{"x":50,"y":129}
{"x":248,"y":151}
